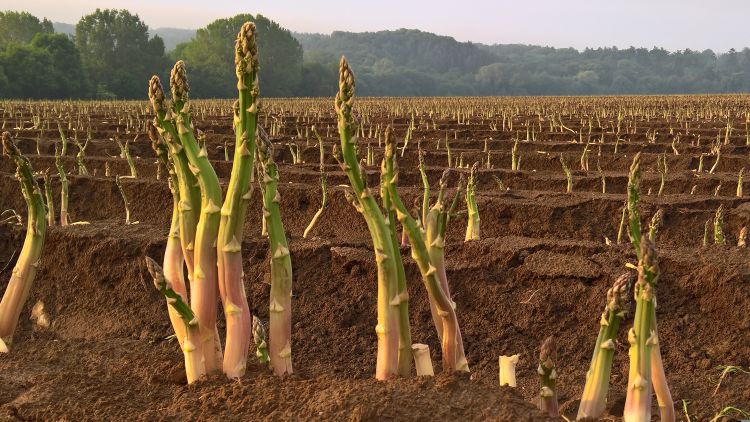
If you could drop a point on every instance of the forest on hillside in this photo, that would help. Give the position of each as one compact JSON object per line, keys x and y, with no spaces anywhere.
{"x":111,"y":54}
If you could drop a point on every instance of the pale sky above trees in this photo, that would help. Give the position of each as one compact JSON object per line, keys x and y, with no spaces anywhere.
{"x":672,"y":24}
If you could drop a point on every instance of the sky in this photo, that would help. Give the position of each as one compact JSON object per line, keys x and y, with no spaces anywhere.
{"x":671,"y":24}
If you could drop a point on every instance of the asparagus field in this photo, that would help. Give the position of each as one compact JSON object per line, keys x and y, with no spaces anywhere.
{"x":362,"y":231}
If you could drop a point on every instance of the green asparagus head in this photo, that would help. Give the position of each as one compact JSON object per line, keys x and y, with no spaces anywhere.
{"x":246,"y":58}
{"x":345,"y":97}
{"x":156,"y":94}
{"x":179,"y":83}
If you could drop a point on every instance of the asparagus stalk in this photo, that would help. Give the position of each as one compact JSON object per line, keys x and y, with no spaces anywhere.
{"x":174,"y":260}
{"x":280,"y":308}
{"x":388,"y":295}
{"x":189,"y":191}
{"x":634,"y":218}
{"x":323,"y":188}
{"x":239,"y":191}
{"x":472,"y":228}
{"x":194,"y":360}
{"x":63,"y":190}
{"x":548,"y":378}
{"x":445,"y":306}
{"x":719,"y":238}
{"x":594,"y":397}
{"x":387,"y":172}
{"x":642,"y":337}
{"x":50,"y":199}
{"x":435,"y":232}
{"x":118,"y":183}
{"x":22,"y":277}
{"x":204,"y":284}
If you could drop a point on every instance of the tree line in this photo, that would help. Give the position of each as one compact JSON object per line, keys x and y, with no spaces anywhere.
{"x":111,"y":55}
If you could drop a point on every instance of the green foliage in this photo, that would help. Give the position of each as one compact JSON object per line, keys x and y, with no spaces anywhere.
{"x":116,"y":52}
{"x":111,"y":54}
{"x":210,"y":57}
{"x":20,"y":27}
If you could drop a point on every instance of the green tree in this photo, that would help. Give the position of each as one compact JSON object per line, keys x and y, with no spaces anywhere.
{"x":210,"y":58}
{"x":20,"y":27}
{"x":29,"y":72}
{"x":68,"y":79}
{"x":116,"y":52}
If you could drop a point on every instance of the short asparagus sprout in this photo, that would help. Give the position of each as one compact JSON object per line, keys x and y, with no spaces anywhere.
{"x":602,"y":177}
{"x":514,"y":157}
{"x":125,"y":154}
{"x":716,"y":163}
{"x":594,"y":397}
{"x":63,"y":140}
{"x":507,"y":370}
{"x":50,"y":199}
{"x":661,"y":165}
{"x":653,"y":228}
{"x":259,"y":337}
{"x":739,"y":182}
{"x":621,"y":227}
{"x":742,"y":238}
{"x":118,"y":182}
{"x":323,"y":188}
{"x":548,"y":378}
{"x":568,"y":175}
{"x":422,"y":360}
{"x":29,"y":260}
{"x":719,"y":238}
{"x":472,"y":227}
{"x":194,"y":365}
{"x":63,"y":189}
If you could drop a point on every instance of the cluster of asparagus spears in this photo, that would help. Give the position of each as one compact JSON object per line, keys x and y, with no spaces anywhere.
{"x":206,"y":233}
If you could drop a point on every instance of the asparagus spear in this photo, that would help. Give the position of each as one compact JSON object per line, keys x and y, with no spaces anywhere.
{"x":22,"y":277}
{"x":387,"y":172}
{"x":194,"y":360}
{"x":642,"y":337}
{"x":472,"y":228}
{"x":280,"y":308}
{"x":229,"y":250}
{"x":548,"y":378}
{"x":445,"y":306}
{"x":174,"y":260}
{"x":388,"y":294}
{"x":594,"y":397}
{"x":204,"y":288}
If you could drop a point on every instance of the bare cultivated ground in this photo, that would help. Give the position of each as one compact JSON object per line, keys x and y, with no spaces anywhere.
{"x":542,"y":267}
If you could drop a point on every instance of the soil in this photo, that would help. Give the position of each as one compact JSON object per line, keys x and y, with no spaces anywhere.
{"x":542,"y":267}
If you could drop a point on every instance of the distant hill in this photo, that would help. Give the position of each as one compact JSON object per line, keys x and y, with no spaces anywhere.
{"x":64,"y":28}
{"x":171,"y":36}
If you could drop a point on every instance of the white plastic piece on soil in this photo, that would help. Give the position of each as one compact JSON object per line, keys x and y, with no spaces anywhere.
{"x":507,"y":366}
